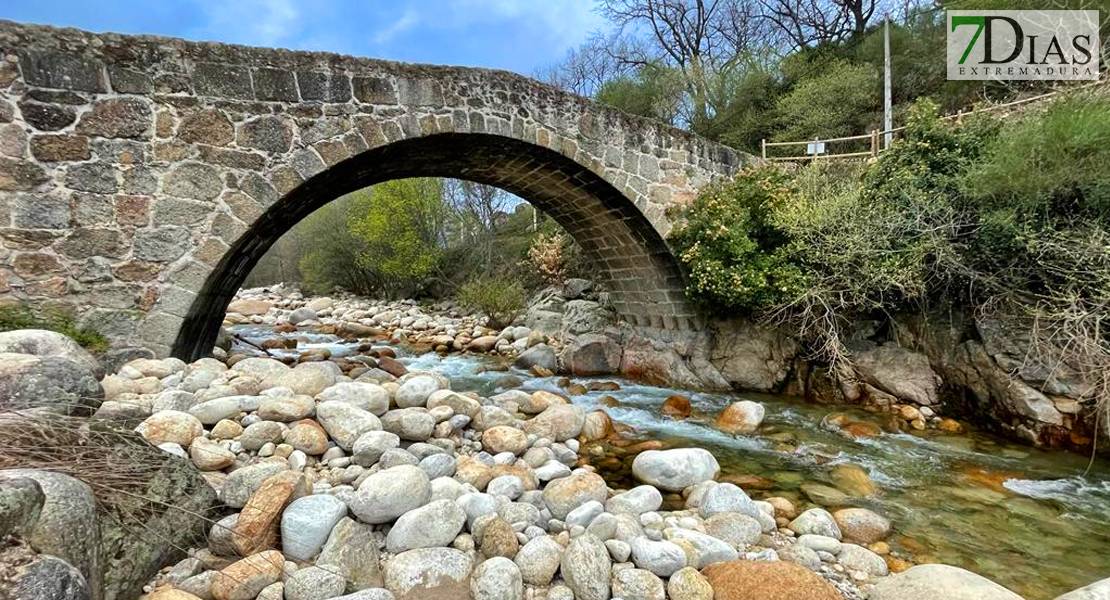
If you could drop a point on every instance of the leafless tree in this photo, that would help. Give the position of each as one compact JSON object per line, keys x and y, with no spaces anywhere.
{"x":802,"y":23}
{"x":700,"y":38}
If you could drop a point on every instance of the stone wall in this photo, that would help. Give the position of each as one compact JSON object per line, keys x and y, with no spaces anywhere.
{"x":143,"y":177}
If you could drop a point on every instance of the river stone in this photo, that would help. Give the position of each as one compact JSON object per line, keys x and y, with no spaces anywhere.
{"x":301,"y":315}
{"x":817,"y":521}
{"x":802,"y":555}
{"x":567,"y":493}
{"x":413,"y":424}
{"x":558,"y":423}
{"x":63,"y":385}
{"x":170,"y":426}
{"x":67,"y":523}
{"x":244,"y":579}
{"x":243,"y":482}
{"x":709,"y":549}
{"x":213,"y":411}
{"x":540,"y":355}
{"x":370,"y":446}
{"x":858,"y":558}
{"x":674,"y":470}
{"x":538,"y":560}
{"x":639,"y":584}
{"x":636,"y":501}
{"x":41,"y":577}
{"x":267,"y":370}
{"x":345,"y":423}
{"x":935,"y":581}
{"x":499,"y":539}
{"x":429,"y":574}
{"x":461,"y":405}
{"x":210,"y":456}
{"x":761,"y":580}
{"x":662,"y":558}
{"x":306,"y":524}
{"x":415,"y":391}
{"x":1099,"y":590}
{"x":741,"y":417}
{"x":861,"y":525}
{"x":438,"y":465}
{"x":737,"y":529}
{"x":44,"y":343}
{"x":824,"y":495}
{"x":261,"y":433}
{"x":820,"y":543}
{"x":310,"y":378}
{"x":688,"y":584}
{"x":370,"y":397}
{"x":352,"y":548}
{"x":496,"y":579}
{"x":504,"y":438}
{"x":313,"y":583}
{"x":390,"y":493}
{"x":725,"y":498}
{"x":432,"y":525}
{"x":585,"y":567}
{"x":286,"y":409}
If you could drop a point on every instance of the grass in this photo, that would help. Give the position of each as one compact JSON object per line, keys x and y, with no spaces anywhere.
{"x":20,"y":316}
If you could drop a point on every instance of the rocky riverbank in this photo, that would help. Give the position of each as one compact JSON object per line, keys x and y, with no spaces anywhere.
{"x":344,"y":474}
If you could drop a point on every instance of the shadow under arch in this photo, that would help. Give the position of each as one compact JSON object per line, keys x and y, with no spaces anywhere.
{"x":632,"y":258}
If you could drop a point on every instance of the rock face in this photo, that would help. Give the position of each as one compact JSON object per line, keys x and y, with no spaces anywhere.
{"x":674,"y":470}
{"x":939,"y":581}
{"x":751,"y":357}
{"x":591,"y":354}
{"x":748,"y":580}
{"x":899,"y":372}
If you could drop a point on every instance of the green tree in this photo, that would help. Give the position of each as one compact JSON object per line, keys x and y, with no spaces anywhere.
{"x":835,"y":98}
{"x":654,"y":91}
{"x":400,"y":225}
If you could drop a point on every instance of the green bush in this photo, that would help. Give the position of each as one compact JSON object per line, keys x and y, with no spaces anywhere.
{"x":836,"y":99}
{"x":20,"y":316}
{"x":735,"y":256}
{"x":500,"y":298}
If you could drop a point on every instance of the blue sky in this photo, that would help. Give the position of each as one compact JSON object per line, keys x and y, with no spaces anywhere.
{"x":518,"y":35}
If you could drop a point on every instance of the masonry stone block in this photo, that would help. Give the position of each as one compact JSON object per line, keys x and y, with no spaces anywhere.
{"x":63,"y":71}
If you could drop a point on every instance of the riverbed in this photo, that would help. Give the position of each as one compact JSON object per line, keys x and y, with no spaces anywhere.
{"x":1035,"y":521}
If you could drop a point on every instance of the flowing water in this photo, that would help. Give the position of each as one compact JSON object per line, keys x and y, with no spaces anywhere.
{"x":1037,"y":522}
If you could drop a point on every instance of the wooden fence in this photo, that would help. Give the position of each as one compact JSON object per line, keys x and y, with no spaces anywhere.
{"x":870,"y":145}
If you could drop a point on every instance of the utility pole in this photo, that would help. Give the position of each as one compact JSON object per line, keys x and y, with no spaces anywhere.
{"x":888,"y":118}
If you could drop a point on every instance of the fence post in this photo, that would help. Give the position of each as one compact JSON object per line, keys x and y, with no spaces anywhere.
{"x":763,"y":145}
{"x":874,"y":143}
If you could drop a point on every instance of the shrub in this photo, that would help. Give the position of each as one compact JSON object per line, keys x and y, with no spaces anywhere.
{"x":546,"y":256}
{"x":736,"y":257}
{"x":19,"y":316}
{"x":500,"y":298}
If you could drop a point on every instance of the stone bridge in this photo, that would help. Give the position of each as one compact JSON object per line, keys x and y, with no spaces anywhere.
{"x":143,"y":177}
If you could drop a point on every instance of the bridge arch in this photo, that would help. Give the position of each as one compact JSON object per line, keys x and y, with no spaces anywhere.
{"x":169,"y":167}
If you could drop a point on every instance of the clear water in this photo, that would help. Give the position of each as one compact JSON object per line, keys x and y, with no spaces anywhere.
{"x":1037,"y":522}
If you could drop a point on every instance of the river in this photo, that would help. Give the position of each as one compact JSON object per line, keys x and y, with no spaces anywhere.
{"x":1035,"y":521}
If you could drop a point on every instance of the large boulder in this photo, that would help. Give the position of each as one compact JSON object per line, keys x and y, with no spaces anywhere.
{"x":388,"y":494}
{"x":927,"y":582}
{"x":540,"y":355}
{"x":741,"y":417}
{"x":591,"y":354}
{"x":674,"y":470}
{"x":117,"y":540}
{"x":586,"y":568}
{"x":57,"y":383}
{"x":585,"y":316}
{"x":40,"y":342}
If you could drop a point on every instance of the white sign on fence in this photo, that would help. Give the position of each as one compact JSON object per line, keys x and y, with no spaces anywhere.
{"x":815,"y":148}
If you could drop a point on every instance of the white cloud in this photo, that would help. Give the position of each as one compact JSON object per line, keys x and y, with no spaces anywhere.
{"x":253,"y":22}
{"x":566,"y":20}
{"x":405,"y":22}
